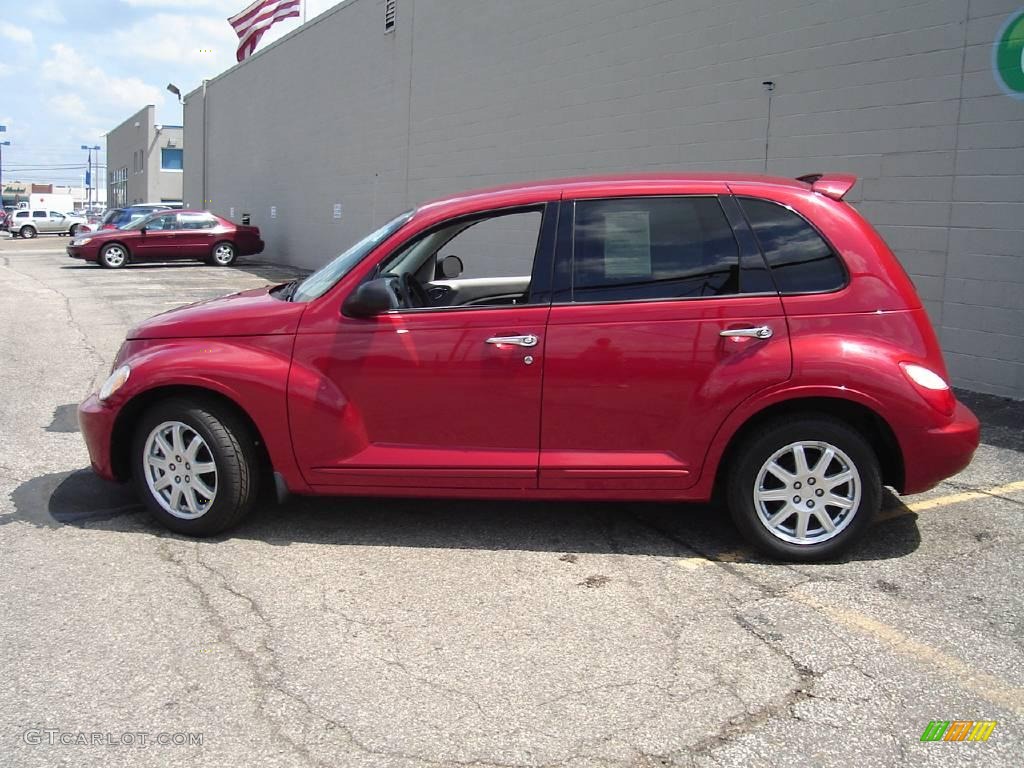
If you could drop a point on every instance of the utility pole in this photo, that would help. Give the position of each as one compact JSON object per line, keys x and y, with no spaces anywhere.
{"x":88,"y":174}
{"x":3,"y":129}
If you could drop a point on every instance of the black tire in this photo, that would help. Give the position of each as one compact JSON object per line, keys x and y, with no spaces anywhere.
{"x":223,"y":254}
{"x":232,"y":448}
{"x":27,"y":232}
{"x":74,"y":230}
{"x":761,"y":446}
{"x":113,"y":256}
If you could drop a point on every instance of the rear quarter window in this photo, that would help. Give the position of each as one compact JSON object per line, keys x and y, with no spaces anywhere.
{"x":799,"y":258}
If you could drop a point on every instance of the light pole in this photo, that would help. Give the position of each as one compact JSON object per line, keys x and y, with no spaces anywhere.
{"x":3,"y":129}
{"x":88,"y":175}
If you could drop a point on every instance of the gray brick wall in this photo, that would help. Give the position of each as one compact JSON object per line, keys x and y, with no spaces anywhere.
{"x":900,"y":93}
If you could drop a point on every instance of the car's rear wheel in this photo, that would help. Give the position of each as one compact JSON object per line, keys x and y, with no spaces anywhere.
{"x":223,"y":255}
{"x":804,"y":489}
{"x":113,"y":256}
{"x":195,"y":466}
{"x":27,"y":232}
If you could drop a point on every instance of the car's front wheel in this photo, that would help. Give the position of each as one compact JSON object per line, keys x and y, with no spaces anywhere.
{"x":73,"y":232}
{"x":195,"y":466}
{"x":27,"y":232}
{"x":804,"y":489}
{"x":223,"y":255}
{"x":113,"y":256}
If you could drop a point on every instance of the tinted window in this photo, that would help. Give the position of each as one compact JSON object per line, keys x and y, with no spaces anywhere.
{"x":800,"y":260}
{"x":653,"y":248}
{"x":38,"y":214}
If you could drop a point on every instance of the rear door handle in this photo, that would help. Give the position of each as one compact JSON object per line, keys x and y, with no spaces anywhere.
{"x":529,"y":340}
{"x":760,"y":332}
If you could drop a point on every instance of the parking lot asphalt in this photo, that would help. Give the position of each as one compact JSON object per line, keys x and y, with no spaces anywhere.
{"x":361,"y":632}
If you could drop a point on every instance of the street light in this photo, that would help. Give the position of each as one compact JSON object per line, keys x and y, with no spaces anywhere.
{"x":175,"y":90}
{"x":88,"y":174}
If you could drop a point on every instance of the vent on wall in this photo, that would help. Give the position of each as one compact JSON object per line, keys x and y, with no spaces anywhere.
{"x":389,"y":15}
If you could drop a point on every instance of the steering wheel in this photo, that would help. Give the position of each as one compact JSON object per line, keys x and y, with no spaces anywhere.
{"x":413,"y":293}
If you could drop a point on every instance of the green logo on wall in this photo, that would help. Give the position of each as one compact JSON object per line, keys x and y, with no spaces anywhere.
{"x":1008,"y":56}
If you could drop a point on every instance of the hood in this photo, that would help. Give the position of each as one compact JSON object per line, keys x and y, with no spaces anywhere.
{"x":95,"y":231}
{"x":249,"y":313}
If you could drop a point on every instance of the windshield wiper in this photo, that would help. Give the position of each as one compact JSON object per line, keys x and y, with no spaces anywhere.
{"x":288,"y":289}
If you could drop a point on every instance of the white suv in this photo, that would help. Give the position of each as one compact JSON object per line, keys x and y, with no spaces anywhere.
{"x":29,"y":223}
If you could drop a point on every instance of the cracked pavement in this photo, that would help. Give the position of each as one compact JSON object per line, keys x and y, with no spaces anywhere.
{"x":368,"y":632}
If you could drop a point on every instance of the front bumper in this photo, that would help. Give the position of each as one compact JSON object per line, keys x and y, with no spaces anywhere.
{"x":932,"y":455}
{"x":96,"y":420}
{"x":81,"y":252}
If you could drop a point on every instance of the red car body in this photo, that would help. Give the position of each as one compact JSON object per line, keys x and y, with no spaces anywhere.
{"x":625,"y":400}
{"x":181,"y":242}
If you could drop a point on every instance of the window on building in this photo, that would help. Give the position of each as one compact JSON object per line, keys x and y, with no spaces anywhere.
{"x":389,"y":15}
{"x":653,"y":248}
{"x":171,"y":159}
{"x":800,"y":259}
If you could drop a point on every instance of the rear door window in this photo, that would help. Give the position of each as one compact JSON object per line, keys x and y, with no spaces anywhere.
{"x":38,"y":214}
{"x":644,"y":248}
{"x":799,"y":258}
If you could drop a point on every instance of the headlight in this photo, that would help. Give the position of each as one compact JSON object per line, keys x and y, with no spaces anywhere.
{"x":81,"y":241}
{"x":115,"y":381}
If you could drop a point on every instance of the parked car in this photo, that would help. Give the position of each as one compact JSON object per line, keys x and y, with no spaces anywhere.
{"x":684,"y":337}
{"x":116,"y":218}
{"x":169,"y":235}
{"x":28,"y":223}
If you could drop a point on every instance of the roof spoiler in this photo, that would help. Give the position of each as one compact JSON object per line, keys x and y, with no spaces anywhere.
{"x":834,"y":185}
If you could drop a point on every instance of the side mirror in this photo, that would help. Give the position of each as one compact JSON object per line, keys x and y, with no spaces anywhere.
{"x":451,"y":267}
{"x":372,"y":298}
{"x":142,"y":231}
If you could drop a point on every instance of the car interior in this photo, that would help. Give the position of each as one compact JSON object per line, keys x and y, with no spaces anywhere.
{"x":475,"y":262}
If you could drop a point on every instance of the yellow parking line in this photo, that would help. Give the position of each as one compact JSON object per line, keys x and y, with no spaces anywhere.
{"x":953,"y":498}
{"x":990,"y":688}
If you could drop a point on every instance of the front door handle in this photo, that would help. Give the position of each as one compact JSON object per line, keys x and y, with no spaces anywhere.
{"x":760,"y":332}
{"x":529,"y":340}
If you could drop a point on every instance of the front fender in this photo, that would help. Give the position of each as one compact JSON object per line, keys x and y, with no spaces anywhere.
{"x":251,"y":372}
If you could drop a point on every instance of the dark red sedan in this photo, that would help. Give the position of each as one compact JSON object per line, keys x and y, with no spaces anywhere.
{"x":167,"y":236}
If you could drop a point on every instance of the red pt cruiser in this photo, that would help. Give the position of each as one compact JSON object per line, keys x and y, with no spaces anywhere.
{"x":651,"y":337}
{"x":168,"y":236}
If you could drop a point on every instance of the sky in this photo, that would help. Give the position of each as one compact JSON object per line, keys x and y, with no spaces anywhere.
{"x":71,"y":70}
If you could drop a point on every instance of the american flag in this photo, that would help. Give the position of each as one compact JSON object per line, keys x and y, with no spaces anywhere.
{"x":251,"y":23}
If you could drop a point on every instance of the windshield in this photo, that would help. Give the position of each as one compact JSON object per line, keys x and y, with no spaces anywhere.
{"x":321,"y":281}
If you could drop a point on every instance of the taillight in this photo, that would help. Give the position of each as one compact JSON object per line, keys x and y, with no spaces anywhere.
{"x":930,"y":386}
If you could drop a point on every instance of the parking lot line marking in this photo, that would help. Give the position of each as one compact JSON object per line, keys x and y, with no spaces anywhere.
{"x":988,"y":687}
{"x":953,"y":498}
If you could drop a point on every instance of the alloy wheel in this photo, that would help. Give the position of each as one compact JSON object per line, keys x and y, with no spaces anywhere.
{"x":807,"y":492}
{"x":223,"y":254}
{"x":114,"y":256}
{"x":180,"y":470}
